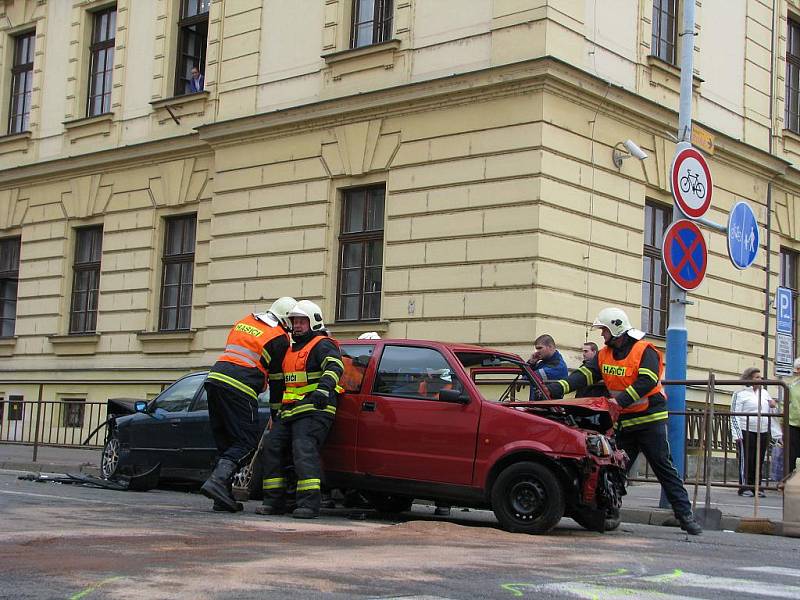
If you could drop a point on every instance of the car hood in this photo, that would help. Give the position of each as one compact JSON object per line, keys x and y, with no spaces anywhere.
{"x":597,"y":414}
{"x":122,"y":406}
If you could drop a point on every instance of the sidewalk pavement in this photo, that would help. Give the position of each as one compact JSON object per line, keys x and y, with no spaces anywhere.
{"x":640,"y":505}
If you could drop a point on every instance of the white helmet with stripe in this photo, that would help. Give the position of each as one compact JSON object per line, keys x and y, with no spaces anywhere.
{"x":280,"y":310}
{"x":306,"y":308}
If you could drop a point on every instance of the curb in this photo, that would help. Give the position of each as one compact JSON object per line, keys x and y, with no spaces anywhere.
{"x":659,"y":517}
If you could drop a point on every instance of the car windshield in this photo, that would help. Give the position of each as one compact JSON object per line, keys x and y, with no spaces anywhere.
{"x":497,"y":378}
{"x":178,"y":396}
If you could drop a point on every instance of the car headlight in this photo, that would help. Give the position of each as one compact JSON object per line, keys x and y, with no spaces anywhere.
{"x":598,"y":445}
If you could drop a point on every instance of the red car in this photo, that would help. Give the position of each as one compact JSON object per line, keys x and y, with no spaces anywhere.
{"x":452,"y":423}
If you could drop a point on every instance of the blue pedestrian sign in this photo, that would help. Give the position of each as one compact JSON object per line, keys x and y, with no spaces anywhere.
{"x":743,"y":237}
{"x":783,"y":309}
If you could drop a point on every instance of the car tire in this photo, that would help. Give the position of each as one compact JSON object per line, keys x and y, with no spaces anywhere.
{"x":389,"y":503}
{"x":109,"y":460}
{"x":247,"y":482}
{"x":527,"y":498}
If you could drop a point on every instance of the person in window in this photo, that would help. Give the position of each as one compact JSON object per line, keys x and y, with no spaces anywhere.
{"x":253,"y":356}
{"x":312,"y":369}
{"x":748,"y":428}
{"x":435,"y":381}
{"x":546,"y":361}
{"x":632,"y":369}
{"x":196,"y":81}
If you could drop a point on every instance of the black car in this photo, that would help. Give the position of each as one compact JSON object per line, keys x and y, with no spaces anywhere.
{"x":173,"y":430}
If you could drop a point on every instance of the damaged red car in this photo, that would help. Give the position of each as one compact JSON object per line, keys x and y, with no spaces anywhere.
{"x":452,"y":423}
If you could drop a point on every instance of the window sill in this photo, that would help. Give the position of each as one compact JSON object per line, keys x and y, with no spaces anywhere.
{"x":671,"y":72}
{"x":74,"y":344}
{"x":791,"y":141}
{"x":7,"y":345}
{"x":166,"y":342}
{"x":89,"y":126}
{"x":15,"y":142}
{"x":381,"y":55}
{"x":174,"y":108}
{"x":352,"y":329}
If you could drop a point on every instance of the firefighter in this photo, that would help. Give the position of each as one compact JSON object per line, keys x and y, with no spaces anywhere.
{"x":312,"y":369}
{"x":631,"y":369}
{"x":253,"y":356}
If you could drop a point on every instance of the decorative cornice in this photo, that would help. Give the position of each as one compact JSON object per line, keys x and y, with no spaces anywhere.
{"x":153,"y":151}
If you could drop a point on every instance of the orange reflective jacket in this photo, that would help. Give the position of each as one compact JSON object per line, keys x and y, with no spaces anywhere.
{"x":620,"y":374}
{"x":246,"y":342}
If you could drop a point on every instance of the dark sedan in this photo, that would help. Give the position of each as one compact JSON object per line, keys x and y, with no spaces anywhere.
{"x":173,"y":430}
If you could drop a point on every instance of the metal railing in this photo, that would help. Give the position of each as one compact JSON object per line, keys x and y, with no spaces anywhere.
{"x":709,"y":439}
{"x":66,"y":422}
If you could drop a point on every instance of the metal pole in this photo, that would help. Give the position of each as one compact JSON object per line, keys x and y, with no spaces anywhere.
{"x":709,"y":439}
{"x":677,"y":336}
{"x":38,"y":419}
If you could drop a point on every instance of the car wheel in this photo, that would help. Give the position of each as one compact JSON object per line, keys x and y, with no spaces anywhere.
{"x":389,"y":503}
{"x":109,"y":461}
{"x":527,"y":498}
{"x":247,"y":482}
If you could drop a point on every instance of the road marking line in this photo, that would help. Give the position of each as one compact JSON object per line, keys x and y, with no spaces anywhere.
{"x":731,"y":584}
{"x":591,"y":591}
{"x":773,"y":570}
{"x":92,"y":588}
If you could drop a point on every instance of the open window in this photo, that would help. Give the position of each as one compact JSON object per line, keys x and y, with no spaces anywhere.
{"x":192,"y":46}
{"x":356,"y":359}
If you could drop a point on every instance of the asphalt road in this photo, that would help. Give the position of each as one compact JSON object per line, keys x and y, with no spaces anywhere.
{"x":69,"y":542}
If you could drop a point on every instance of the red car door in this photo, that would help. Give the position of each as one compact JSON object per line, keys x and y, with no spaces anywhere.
{"x":339,"y":453}
{"x":405,"y":431}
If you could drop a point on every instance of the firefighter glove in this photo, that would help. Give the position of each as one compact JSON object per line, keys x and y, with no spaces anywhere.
{"x":319,"y":400}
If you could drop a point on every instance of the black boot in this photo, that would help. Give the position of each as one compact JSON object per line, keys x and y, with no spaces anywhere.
{"x":219,"y":507}
{"x":217,"y":487}
{"x":268,"y":508}
{"x":689,"y":525}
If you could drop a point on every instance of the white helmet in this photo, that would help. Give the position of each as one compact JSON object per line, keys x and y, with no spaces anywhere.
{"x":306,"y":308}
{"x":280,"y":309}
{"x":369,"y":335}
{"x":617,"y":322}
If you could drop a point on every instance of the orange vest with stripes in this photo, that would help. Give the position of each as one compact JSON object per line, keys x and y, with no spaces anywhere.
{"x":246,"y":342}
{"x":618,"y":374}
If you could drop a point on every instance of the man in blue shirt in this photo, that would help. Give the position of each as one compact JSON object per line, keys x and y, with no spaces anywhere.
{"x":546,"y":361}
{"x":196,"y":81}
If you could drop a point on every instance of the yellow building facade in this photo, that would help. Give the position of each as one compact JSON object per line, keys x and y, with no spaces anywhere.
{"x":422,"y":168}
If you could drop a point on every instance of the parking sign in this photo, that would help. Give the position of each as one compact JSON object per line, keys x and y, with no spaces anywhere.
{"x":784,"y":338}
{"x":783,"y":308}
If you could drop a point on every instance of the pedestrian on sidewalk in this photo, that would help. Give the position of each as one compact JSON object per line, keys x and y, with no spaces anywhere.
{"x":794,"y":417}
{"x":751,"y":431}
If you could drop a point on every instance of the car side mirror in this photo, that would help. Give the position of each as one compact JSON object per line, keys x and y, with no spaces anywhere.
{"x":140,"y":406}
{"x":454,"y":396}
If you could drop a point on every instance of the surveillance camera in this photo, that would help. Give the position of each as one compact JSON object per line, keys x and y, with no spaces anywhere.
{"x":631,"y":147}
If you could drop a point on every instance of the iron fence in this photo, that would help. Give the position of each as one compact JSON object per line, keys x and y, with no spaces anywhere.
{"x":66,"y":422}
{"x":710,"y":441}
